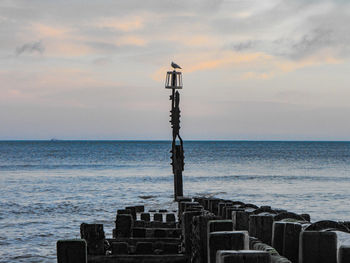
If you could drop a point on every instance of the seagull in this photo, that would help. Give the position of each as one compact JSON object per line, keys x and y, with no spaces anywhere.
{"x":174,"y":65}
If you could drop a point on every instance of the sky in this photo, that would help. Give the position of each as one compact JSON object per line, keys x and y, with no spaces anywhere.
{"x":252,"y":69}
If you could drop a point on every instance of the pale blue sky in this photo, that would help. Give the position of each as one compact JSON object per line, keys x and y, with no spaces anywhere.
{"x":269,"y":70}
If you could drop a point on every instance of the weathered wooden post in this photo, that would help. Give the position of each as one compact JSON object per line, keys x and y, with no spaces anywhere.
{"x":174,"y":81}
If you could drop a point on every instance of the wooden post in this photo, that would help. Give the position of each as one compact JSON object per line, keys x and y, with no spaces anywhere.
{"x":177,"y":143}
{"x":178,"y":188}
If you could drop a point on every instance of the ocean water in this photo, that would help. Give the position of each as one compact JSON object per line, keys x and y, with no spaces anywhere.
{"x":48,"y":188}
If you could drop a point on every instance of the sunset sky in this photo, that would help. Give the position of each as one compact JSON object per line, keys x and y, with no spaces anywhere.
{"x":252,"y":70}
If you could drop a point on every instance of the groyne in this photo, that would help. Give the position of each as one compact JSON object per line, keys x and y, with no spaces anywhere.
{"x":210,"y":230}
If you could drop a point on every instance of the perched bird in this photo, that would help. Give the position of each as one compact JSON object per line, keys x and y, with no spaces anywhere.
{"x":174,"y":65}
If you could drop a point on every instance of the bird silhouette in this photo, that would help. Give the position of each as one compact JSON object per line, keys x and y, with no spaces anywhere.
{"x":174,"y":65}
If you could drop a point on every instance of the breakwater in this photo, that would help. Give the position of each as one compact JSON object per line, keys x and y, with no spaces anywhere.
{"x":209,"y":230}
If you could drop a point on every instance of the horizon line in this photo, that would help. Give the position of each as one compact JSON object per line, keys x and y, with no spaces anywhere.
{"x":169,"y":140}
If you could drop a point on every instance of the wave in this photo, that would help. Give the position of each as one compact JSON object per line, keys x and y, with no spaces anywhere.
{"x":62,"y":166}
{"x":266,"y":177}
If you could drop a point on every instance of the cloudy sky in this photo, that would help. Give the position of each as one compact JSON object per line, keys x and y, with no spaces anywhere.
{"x":252,"y":69}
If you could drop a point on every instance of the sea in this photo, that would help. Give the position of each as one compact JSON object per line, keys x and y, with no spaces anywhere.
{"x":48,"y":188}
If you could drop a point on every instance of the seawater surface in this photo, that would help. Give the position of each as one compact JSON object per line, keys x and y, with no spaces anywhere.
{"x":48,"y":188}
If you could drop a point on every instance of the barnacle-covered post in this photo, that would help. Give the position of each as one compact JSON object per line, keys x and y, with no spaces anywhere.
{"x":174,"y":82}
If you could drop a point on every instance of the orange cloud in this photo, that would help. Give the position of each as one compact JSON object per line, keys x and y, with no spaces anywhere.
{"x":45,"y":31}
{"x":226,"y":59}
{"x":192,"y":40}
{"x":205,"y":61}
{"x":70,"y":49}
{"x":256,"y":75}
{"x":260,"y":65}
{"x":126,"y":24}
{"x":131,"y":40}
{"x":318,"y":59}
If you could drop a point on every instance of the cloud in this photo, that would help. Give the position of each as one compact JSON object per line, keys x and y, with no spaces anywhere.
{"x":103,"y":61}
{"x":241,"y":46}
{"x":48,"y":31}
{"x":32,"y":47}
{"x":225,"y":59}
{"x":310,"y":43}
{"x":210,"y":61}
{"x":126,"y":24}
{"x":312,"y":60}
{"x":256,"y":75}
{"x":131,"y":40}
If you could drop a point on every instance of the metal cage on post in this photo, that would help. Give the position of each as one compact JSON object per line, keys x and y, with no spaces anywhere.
{"x":173,"y":80}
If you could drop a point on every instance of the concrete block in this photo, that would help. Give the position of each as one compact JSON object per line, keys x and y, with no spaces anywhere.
{"x":160,"y":233}
{"x":170,"y":218}
{"x":240,"y":219}
{"x":174,"y":233}
{"x":344,"y":254}
{"x":92,"y":231}
{"x":184,"y":198}
{"x":158,"y":217}
{"x":170,"y":248}
{"x":316,"y":247}
{"x":221,"y":206}
{"x":139,"y":232}
{"x":278,"y":236}
{"x":220,"y":225}
{"x":194,"y":208}
{"x":123,"y":225}
{"x":291,"y":241}
{"x":242,"y":256}
{"x":199,"y":244}
{"x":181,"y":200}
{"x":145,"y":217}
{"x":182,"y":206}
{"x":158,"y":224}
{"x":139,"y":223}
{"x":139,"y":208}
{"x":213,"y":205}
{"x":198,"y":199}
{"x":132,"y":210}
{"x":206,"y":204}
{"x":229,"y":210}
{"x":260,"y":226}
{"x":191,"y":205}
{"x":71,"y":251}
{"x":226,"y":240}
{"x":163,"y":210}
{"x":187,"y":229}
{"x":123,"y":211}
{"x":95,"y":237}
{"x":144,"y":248}
{"x":224,"y":210}
{"x":119,"y":248}
{"x":201,"y":201}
